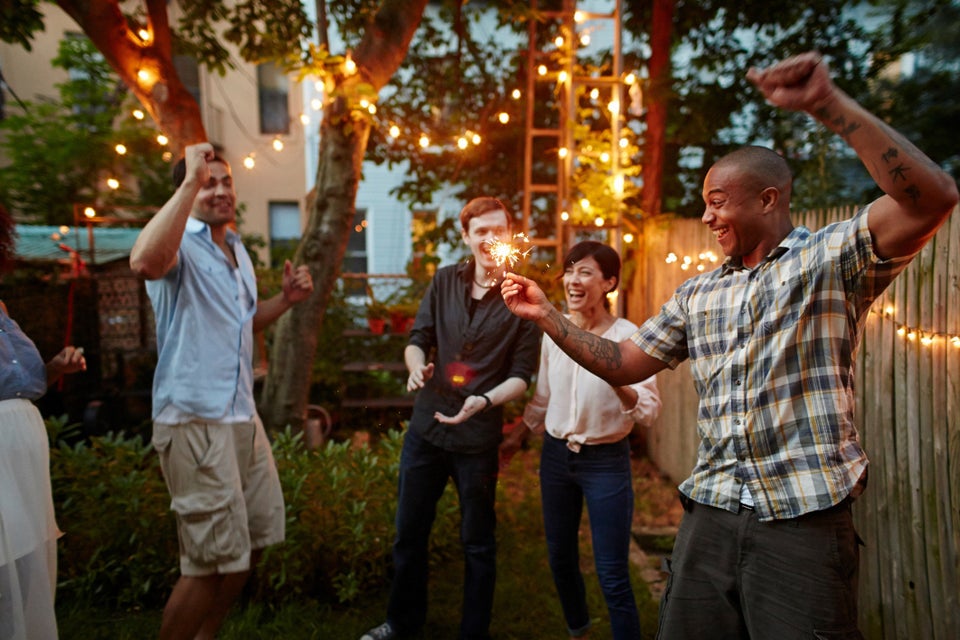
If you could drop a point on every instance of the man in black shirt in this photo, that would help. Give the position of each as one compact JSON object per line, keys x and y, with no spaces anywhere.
{"x":482,"y":357}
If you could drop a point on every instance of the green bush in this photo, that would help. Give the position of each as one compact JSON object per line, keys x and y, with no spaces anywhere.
{"x":120,"y":542}
{"x":340,"y":502}
{"x":120,"y":547}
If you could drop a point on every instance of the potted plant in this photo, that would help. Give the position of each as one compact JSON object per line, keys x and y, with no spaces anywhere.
{"x":402,"y":310}
{"x":377,"y":314}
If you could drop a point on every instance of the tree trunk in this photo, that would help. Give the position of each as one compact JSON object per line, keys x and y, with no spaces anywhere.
{"x":659,"y":98}
{"x":160,"y":92}
{"x":343,"y":143}
{"x":332,"y":206}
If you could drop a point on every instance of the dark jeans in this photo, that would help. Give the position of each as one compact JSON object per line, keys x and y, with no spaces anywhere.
{"x":599,"y":474}
{"x":424,"y":470}
{"x":734,"y":577}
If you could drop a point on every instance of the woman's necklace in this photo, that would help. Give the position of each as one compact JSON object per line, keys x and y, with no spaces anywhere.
{"x":481,"y":285}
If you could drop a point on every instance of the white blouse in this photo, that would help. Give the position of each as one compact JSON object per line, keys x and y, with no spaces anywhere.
{"x":573,"y":404}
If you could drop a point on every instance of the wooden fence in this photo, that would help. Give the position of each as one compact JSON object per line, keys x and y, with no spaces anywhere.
{"x":908,"y":416}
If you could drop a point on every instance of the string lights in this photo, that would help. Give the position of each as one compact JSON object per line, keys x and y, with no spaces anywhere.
{"x":926,"y":337}
{"x":704,"y":260}
{"x":328,"y":76}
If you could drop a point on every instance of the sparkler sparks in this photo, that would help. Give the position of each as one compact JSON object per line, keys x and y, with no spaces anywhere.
{"x":510,"y":253}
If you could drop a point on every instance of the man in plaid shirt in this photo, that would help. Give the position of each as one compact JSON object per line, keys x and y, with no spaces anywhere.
{"x":767,"y":547}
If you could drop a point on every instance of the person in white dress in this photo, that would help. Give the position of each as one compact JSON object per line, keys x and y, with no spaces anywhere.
{"x":28,"y":529}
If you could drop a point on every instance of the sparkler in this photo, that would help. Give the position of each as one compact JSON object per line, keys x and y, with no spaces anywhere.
{"x":509,"y":252}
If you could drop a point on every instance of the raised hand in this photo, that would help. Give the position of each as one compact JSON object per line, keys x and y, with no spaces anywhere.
{"x":297,"y":282}
{"x":69,"y":360}
{"x":799,"y":83}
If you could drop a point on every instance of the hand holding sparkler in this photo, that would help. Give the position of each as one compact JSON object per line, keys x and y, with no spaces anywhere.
{"x":524,"y":298}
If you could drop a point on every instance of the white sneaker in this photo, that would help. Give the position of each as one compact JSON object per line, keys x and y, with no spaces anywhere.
{"x":383,"y":632}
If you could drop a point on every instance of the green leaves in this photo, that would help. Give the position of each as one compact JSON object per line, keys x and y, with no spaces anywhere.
{"x":120,"y":549}
{"x":62,"y":151}
{"x":19,"y":20}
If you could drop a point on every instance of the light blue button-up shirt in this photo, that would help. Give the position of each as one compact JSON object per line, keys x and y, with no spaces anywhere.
{"x":22,"y":372}
{"x":204,"y":310}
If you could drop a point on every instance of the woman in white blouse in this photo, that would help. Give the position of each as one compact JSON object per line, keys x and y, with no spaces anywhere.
{"x":586,"y":451}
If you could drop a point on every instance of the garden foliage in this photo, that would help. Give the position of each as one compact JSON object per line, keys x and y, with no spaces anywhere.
{"x":120,"y":543}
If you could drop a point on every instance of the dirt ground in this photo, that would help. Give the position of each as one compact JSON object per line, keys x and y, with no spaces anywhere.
{"x":656,"y":516}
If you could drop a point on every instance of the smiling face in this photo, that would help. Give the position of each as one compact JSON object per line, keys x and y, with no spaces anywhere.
{"x":585,"y":287}
{"x":733,"y":211}
{"x":216,"y":202}
{"x":480,"y":232}
{"x":747,"y":203}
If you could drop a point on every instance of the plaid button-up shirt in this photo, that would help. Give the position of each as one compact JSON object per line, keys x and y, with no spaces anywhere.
{"x":771,"y":351}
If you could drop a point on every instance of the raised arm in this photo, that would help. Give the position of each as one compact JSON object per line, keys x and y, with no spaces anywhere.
{"x":155,"y":251}
{"x":919,"y":195}
{"x":619,"y":363}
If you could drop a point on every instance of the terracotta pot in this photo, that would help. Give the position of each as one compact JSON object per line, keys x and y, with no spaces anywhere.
{"x":400,"y":323}
{"x":377,"y":325}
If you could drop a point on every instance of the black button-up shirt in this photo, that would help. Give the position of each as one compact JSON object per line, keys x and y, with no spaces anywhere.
{"x":472,"y":354}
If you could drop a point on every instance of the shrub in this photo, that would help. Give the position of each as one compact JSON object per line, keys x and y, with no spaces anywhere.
{"x":120,"y":542}
{"x":340,"y":502}
{"x":120,"y":548}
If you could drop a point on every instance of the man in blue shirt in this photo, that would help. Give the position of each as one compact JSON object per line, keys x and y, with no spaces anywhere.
{"x":213,"y":450}
{"x":767,"y":547}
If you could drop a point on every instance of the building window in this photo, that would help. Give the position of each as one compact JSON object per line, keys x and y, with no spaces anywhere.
{"x":355,"y":259}
{"x":274,"y":89}
{"x":189,"y":73}
{"x":285,"y":230}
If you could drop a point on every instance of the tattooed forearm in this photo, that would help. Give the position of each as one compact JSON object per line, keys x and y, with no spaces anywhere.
{"x":605,"y":353}
{"x":900,"y":169}
{"x":598,"y":355}
{"x":839,"y":124}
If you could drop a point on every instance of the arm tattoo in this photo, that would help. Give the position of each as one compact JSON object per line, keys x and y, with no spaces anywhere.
{"x":914,"y":192}
{"x":899,"y":172}
{"x":596,"y":354}
{"x":845,"y":129}
{"x":893,"y":157}
{"x":839,"y":124}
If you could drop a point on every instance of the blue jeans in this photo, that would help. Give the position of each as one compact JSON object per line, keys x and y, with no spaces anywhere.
{"x":424,"y":470}
{"x":601,"y":475}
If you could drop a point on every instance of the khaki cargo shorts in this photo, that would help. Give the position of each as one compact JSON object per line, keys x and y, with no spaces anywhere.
{"x":224,"y":490}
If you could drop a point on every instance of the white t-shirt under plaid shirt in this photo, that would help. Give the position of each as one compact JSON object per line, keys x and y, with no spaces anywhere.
{"x":771,"y":351}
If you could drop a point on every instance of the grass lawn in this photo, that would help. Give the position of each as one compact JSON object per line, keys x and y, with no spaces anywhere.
{"x":525,"y":607}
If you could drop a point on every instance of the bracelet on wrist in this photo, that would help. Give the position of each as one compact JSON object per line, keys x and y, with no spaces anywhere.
{"x":488,"y":401}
